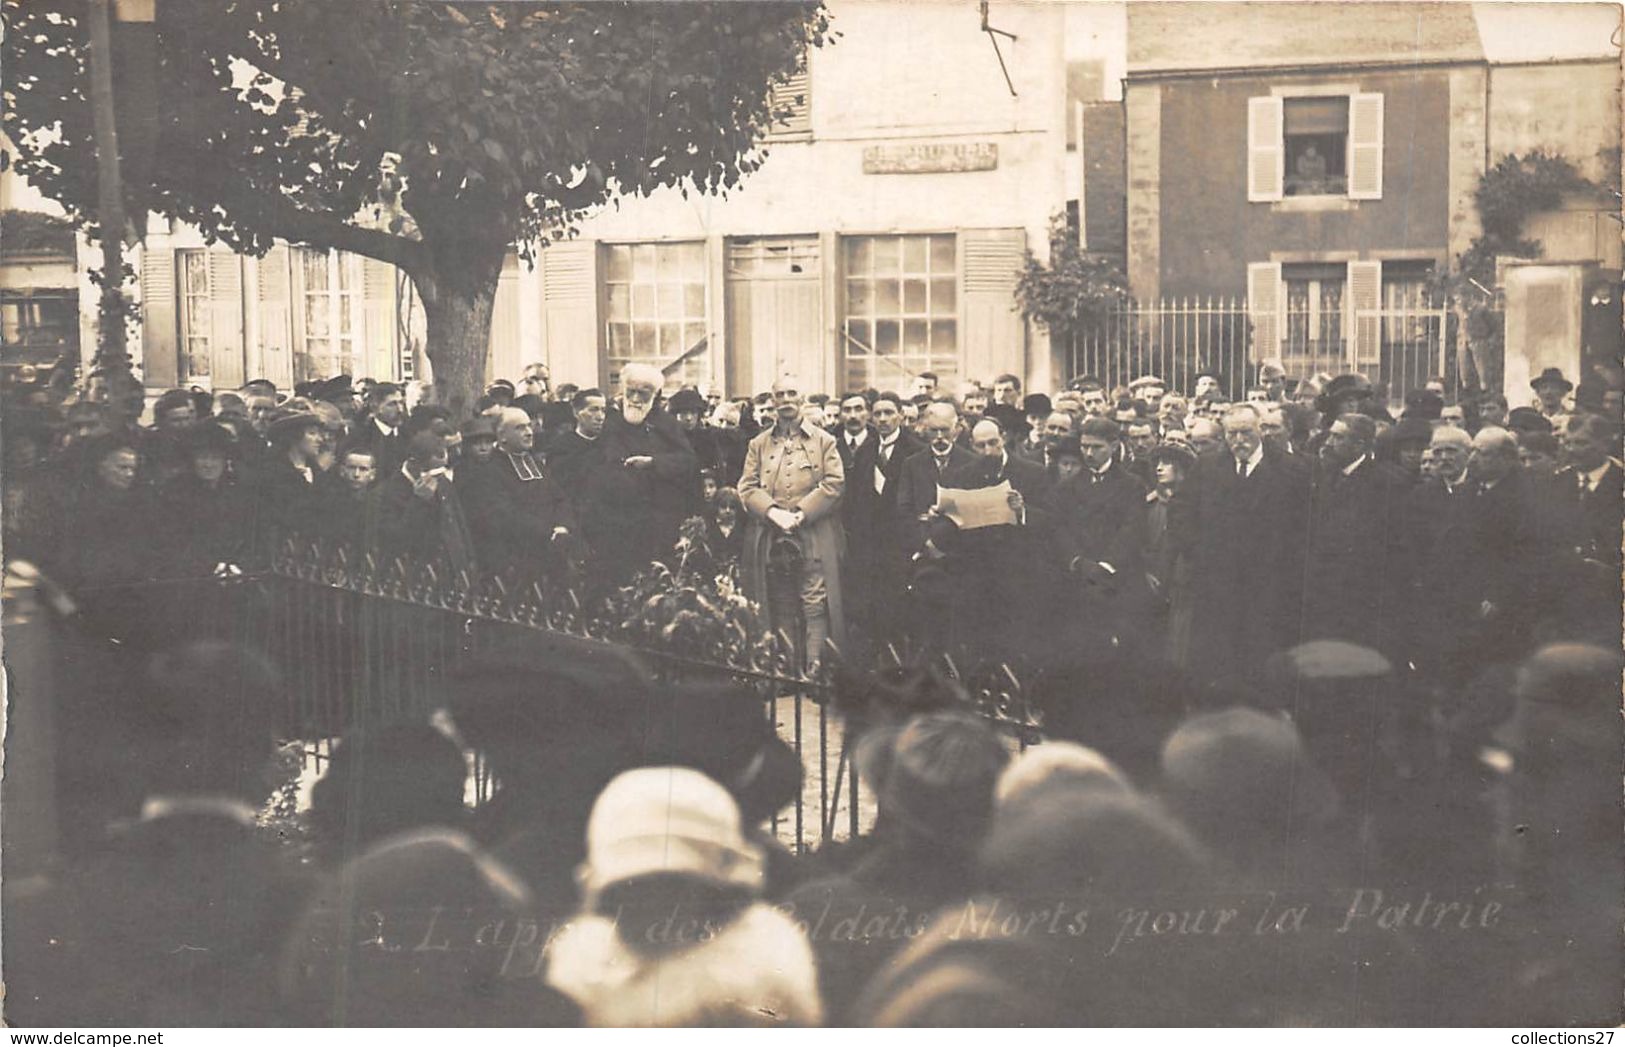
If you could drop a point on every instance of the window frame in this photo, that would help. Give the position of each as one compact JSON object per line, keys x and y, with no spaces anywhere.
{"x":950,"y":365}
{"x":337,"y":263}
{"x":184,"y":322}
{"x":613,"y":364}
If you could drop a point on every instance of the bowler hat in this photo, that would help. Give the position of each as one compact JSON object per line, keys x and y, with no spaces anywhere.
{"x":1551,"y":376}
{"x":686,"y":399}
{"x":1341,"y":386}
{"x":1528,"y":420}
{"x":1036,"y":404}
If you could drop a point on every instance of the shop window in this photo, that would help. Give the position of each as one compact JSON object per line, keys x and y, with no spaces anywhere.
{"x":902,"y":309}
{"x":656,"y":310}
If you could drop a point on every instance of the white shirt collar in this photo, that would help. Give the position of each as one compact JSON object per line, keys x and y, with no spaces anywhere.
{"x":887,"y":441}
{"x":1256,"y":457}
{"x":1594,"y":477}
{"x":1348,"y":470}
{"x":387,"y":430}
{"x":857,"y":441}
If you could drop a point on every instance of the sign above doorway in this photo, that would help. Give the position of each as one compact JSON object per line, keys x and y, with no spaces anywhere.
{"x":930,"y":159}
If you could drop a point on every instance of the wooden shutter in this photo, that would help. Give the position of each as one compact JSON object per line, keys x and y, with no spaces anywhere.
{"x":1266,"y":154}
{"x":794,"y":94}
{"x":1365,"y":147}
{"x":160,"y":360}
{"x":570,"y":312}
{"x":274,"y":294}
{"x":1362,"y":302}
{"x":1266,"y":308}
{"x":226,"y":320}
{"x":993,"y":335}
{"x":503,"y":359}
{"x":378,"y":358}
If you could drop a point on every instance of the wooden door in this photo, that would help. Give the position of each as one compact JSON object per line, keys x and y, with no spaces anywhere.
{"x":775,"y":313}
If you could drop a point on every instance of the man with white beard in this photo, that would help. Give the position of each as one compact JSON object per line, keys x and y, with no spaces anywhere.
{"x":645,"y":482}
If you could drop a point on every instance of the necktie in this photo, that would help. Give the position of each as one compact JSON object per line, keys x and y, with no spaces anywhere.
{"x":880,"y":468}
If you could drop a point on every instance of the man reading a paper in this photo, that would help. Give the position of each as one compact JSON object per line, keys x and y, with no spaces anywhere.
{"x":989,"y":523}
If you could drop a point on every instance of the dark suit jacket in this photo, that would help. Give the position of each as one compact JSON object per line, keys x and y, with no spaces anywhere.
{"x":1098,"y":521}
{"x":426,"y":531}
{"x":1355,"y":569}
{"x":512,"y":520}
{"x":1247,"y":571}
{"x":1599,"y":512}
{"x":917,"y":492}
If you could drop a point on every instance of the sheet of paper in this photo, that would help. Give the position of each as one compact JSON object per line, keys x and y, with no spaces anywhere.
{"x":978,"y":507}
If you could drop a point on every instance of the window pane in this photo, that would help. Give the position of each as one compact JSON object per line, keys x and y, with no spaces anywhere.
{"x":886,"y":337}
{"x":315,"y":317}
{"x":347,"y":266}
{"x":691,"y":260}
{"x":694,"y":335}
{"x":913,"y":296}
{"x":669,"y":301}
{"x":914,"y":337}
{"x":346,"y":317}
{"x":643,"y":261}
{"x":620,"y":263}
{"x":943,"y":297}
{"x":860,"y":299}
{"x":643,"y":340}
{"x":620,"y":340}
{"x":315,"y":271}
{"x":887,"y":255}
{"x":859,"y":255}
{"x":859,"y":331}
{"x":944,"y":339}
{"x":620,"y":302}
{"x":914,"y":248}
{"x":671,"y":341}
{"x":197,"y":273}
{"x":693,"y":301}
{"x":942,"y":254}
{"x":643,"y":301}
{"x":886,"y":298}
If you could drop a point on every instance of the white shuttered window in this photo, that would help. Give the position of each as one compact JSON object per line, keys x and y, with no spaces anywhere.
{"x":1266,"y":308}
{"x":1265,"y":158}
{"x":1365,"y":147}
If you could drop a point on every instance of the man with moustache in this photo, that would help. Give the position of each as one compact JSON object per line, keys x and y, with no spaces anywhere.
{"x":929,"y":586}
{"x":858,"y":445}
{"x":792,"y":486}
{"x":882,"y":474}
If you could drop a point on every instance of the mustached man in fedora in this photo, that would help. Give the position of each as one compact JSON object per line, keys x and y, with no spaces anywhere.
{"x":1551,"y":396}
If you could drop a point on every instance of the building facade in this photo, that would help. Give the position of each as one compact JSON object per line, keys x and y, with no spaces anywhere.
{"x":1320,"y":160}
{"x":881,"y":237}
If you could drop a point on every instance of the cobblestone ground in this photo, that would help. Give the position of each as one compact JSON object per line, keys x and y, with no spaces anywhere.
{"x":820,"y":747}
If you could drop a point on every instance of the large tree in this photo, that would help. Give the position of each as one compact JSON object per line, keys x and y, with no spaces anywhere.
{"x":435,"y":136}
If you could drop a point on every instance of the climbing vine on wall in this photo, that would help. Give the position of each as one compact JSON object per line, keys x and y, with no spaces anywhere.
{"x":1074,"y":289}
{"x":1508,"y":194}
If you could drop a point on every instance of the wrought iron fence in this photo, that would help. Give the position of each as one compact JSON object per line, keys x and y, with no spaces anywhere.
{"x":1178,"y":339}
{"x":363,"y":641}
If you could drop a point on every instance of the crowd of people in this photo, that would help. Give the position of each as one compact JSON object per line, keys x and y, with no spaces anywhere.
{"x":1330,"y":690}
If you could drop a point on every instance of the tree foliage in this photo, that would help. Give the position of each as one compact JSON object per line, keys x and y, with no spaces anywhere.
{"x":431,"y":135}
{"x":1074,"y":289}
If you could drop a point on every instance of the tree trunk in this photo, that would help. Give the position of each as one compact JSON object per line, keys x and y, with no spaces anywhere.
{"x":459,"y":339}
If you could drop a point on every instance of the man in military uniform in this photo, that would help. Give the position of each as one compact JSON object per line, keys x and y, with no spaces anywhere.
{"x":792,"y":483}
